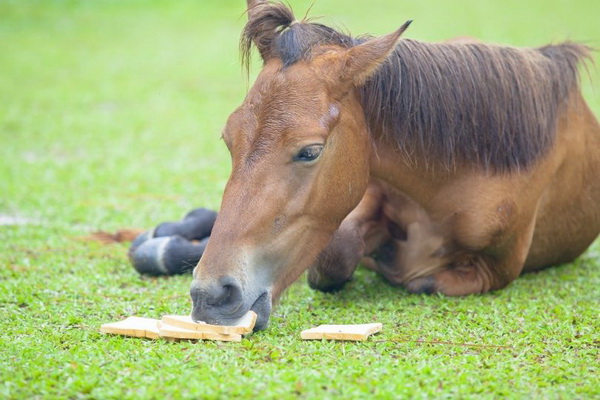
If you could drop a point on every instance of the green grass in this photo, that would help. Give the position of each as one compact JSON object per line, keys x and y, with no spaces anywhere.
{"x":110,"y":116}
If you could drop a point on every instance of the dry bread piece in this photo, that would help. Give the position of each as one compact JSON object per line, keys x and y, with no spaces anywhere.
{"x":243,"y":326}
{"x":133,"y":326}
{"x":153,"y":329}
{"x":175,"y":332}
{"x":342,"y":332}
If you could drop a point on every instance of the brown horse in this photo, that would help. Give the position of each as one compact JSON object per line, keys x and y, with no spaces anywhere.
{"x":447,"y":167}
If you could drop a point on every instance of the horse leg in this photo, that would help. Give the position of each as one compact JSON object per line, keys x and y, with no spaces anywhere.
{"x":196,"y":225}
{"x":360,"y":231}
{"x":173,"y":247}
{"x":167,"y":255}
{"x":480,"y":272}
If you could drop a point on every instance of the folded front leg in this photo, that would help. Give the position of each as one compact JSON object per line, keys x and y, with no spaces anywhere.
{"x":479,"y":272}
{"x":355,"y":236}
{"x":472,"y":276}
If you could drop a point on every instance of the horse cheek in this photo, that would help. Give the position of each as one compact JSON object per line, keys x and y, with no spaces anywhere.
{"x":345,"y":179}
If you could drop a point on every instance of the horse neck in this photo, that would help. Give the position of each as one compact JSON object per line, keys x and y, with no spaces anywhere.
{"x":415,"y":178}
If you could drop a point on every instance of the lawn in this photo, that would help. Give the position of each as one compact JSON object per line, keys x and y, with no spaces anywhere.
{"x":110,"y":117}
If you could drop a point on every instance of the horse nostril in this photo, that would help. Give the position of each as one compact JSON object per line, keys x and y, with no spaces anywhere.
{"x":223,"y":297}
{"x":229,"y":299}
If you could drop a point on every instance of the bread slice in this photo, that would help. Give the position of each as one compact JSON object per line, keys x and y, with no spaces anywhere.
{"x":175,"y":332}
{"x":153,"y":329}
{"x":342,"y":332}
{"x":243,"y":326}
{"x":133,"y":326}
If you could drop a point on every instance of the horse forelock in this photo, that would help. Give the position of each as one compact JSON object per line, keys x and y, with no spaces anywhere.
{"x":493,"y":107}
{"x":274,"y":30}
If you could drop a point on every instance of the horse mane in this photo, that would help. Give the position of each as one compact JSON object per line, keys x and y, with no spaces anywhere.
{"x":492,"y":106}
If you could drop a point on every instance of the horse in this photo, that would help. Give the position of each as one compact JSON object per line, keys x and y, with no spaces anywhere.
{"x":448,"y":168}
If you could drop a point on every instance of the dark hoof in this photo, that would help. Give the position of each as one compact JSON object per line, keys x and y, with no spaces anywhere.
{"x":166,"y":255}
{"x":201,"y":212}
{"x":141,"y":238}
{"x":425,"y":285}
{"x":196,"y":225}
{"x":318,"y":282}
{"x":328,"y":288}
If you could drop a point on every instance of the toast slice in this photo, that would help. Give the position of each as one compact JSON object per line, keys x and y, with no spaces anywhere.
{"x":243,"y":326}
{"x":175,"y":332}
{"x":133,"y":326}
{"x":153,"y":329}
{"x":341,"y":332}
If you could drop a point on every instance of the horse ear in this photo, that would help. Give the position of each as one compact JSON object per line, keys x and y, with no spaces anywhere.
{"x":360,"y":62}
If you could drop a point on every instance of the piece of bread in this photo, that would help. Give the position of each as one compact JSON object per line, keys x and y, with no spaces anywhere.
{"x":153,"y":328}
{"x":133,"y":326}
{"x":342,"y":332}
{"x":243,"y":326}
{"x":175,"y":332}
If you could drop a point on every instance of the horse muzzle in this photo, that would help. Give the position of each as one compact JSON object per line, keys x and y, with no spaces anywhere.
{"x":224,"y":301}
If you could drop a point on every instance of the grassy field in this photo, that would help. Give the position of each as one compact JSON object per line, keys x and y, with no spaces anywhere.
{"x":110,"y":117}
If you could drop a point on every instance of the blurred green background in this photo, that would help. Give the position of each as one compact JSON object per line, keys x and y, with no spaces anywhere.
{"x":105,"y":101}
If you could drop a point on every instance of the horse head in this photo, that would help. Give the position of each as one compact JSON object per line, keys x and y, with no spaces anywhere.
{"x":300,"y":151}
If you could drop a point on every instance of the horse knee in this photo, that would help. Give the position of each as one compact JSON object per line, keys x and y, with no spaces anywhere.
{"x":447,"y":282}
{"x":471,"y":277}
{"x":325,"y":283}
{"x":337,"y":263}
{"x":424,"y":285}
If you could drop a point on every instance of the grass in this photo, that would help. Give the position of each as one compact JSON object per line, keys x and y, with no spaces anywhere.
{"x":110,"y":117}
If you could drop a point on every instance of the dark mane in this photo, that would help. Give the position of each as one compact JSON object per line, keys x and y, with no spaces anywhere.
{"x":496,"y":107}
{"x":276,"y":33}
{"x":491,"y":106}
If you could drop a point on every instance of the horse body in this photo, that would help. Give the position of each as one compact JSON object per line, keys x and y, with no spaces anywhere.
{"x":466,"y":231}
{"x":447,"y":168}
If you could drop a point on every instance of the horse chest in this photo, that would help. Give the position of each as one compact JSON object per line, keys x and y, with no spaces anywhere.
{"x":418,"y":245}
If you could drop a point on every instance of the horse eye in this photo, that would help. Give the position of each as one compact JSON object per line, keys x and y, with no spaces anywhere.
{"x":309,"y":153}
